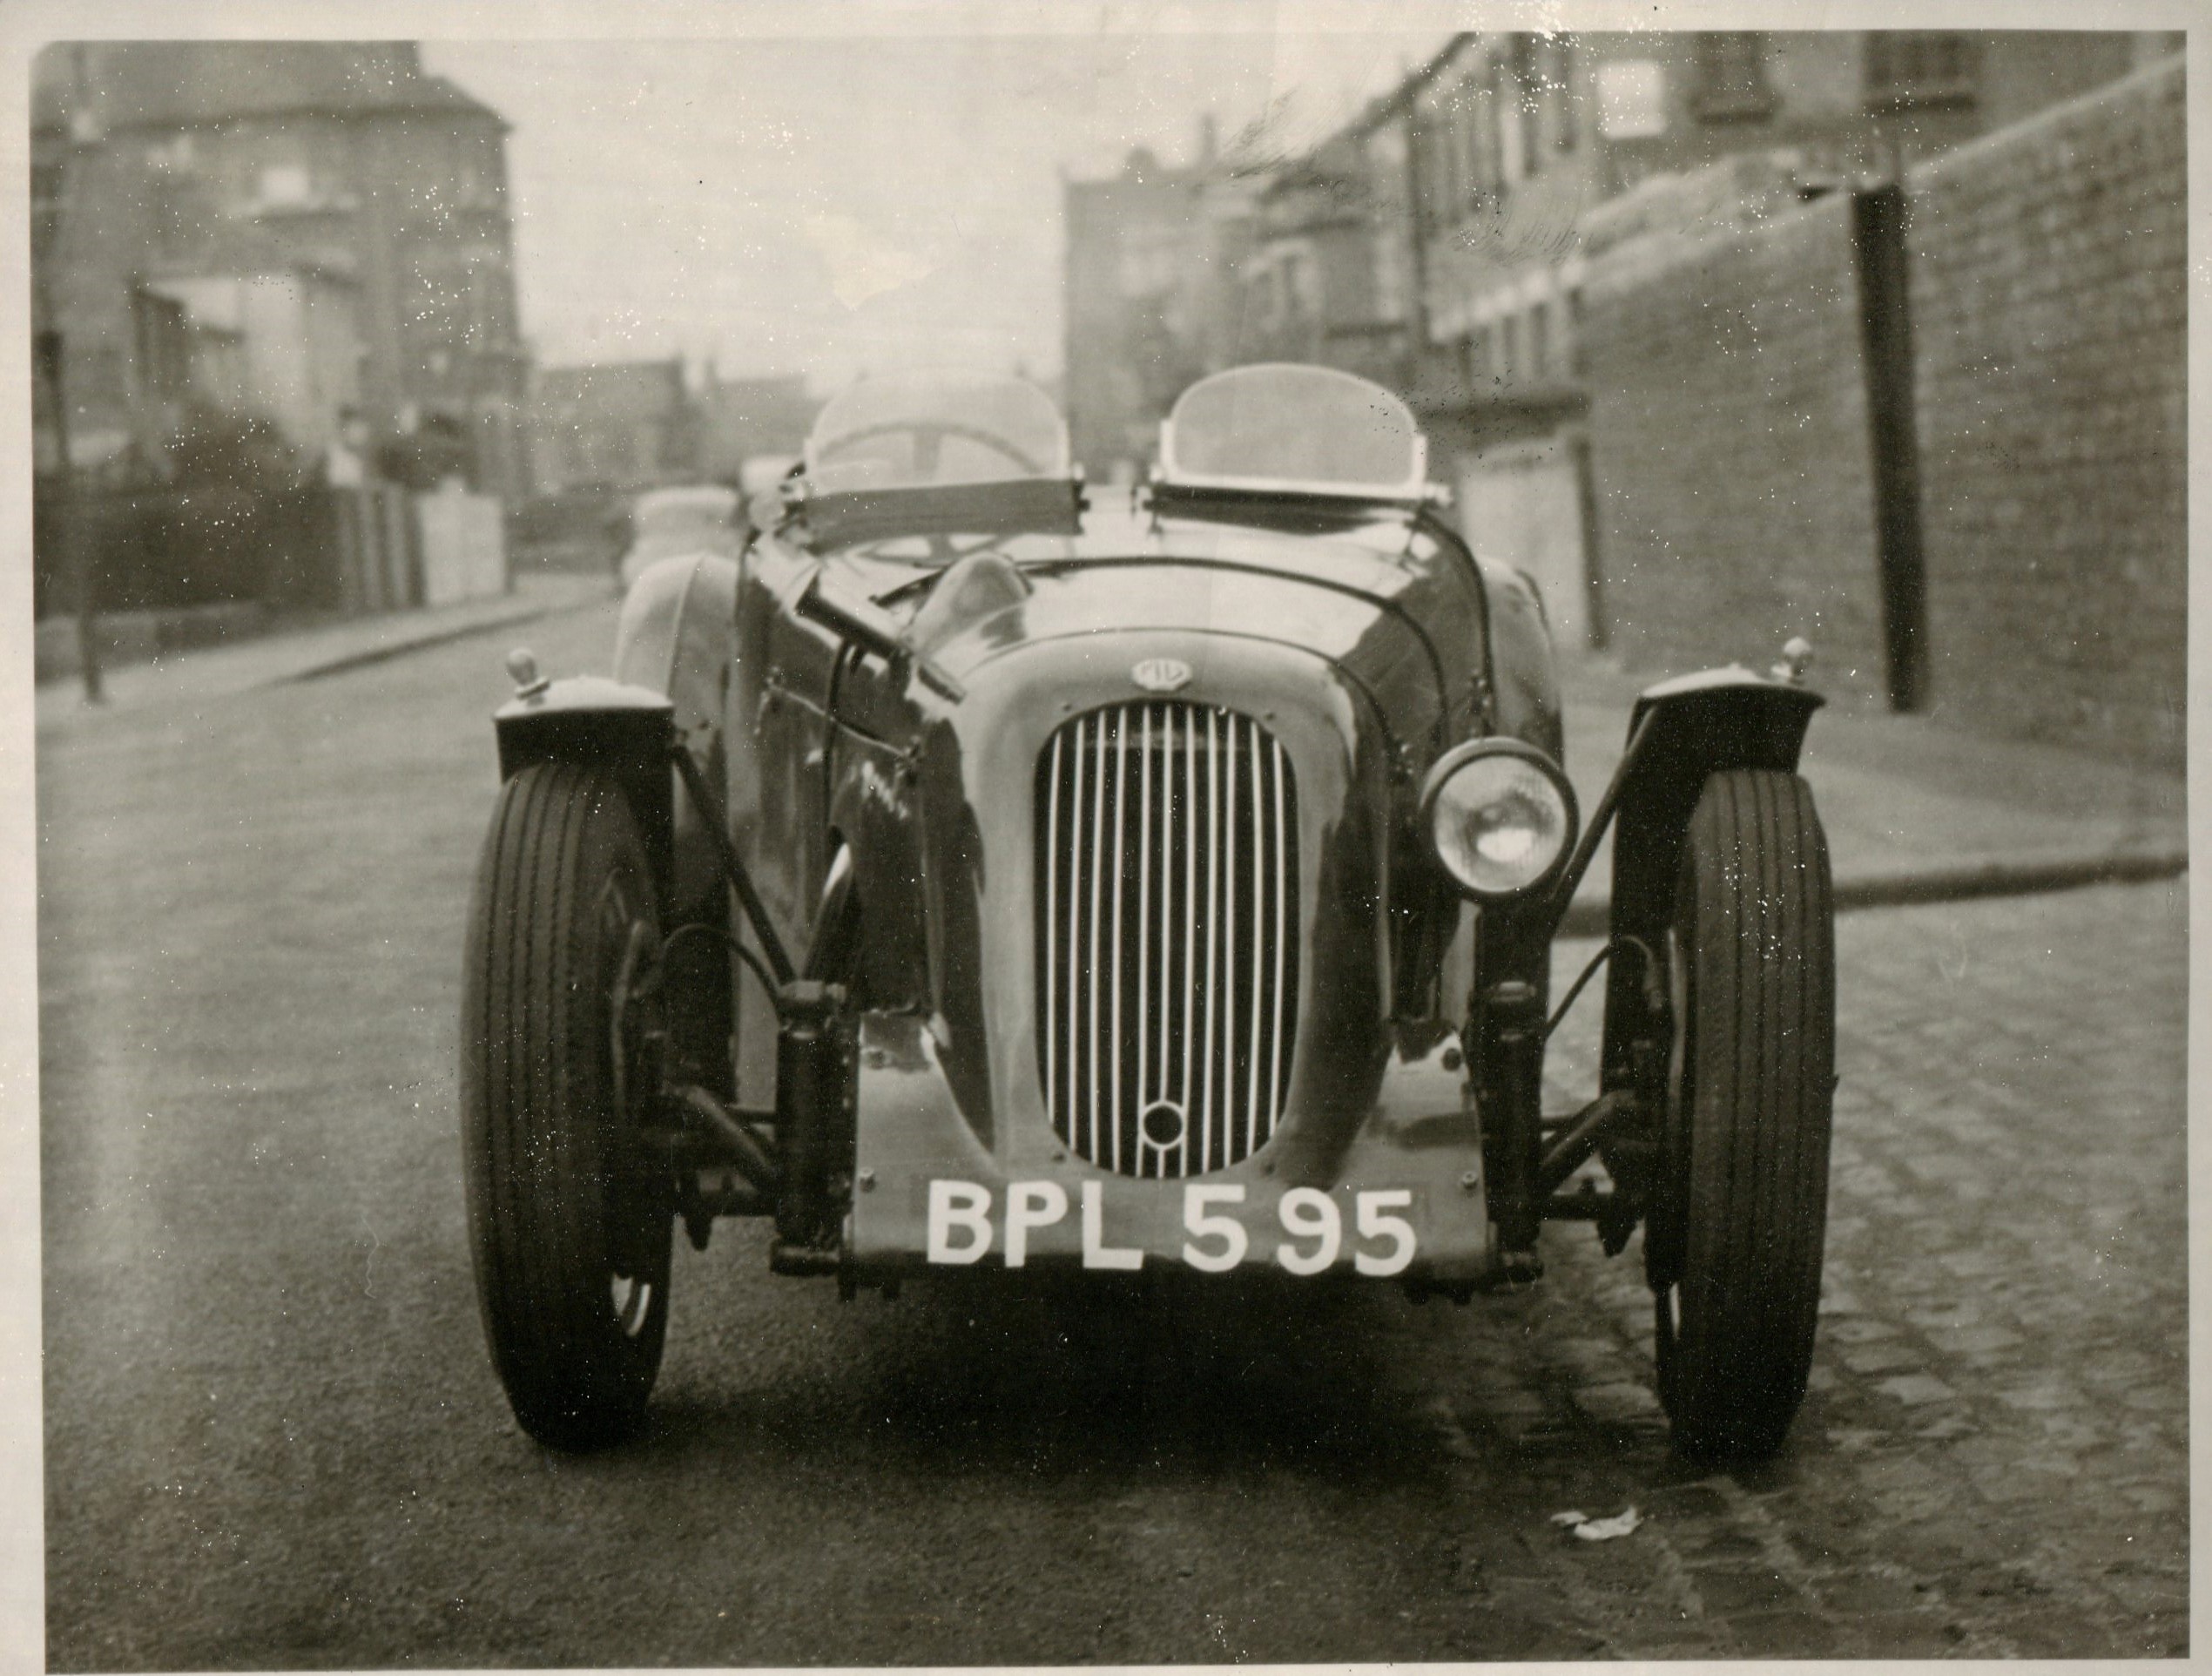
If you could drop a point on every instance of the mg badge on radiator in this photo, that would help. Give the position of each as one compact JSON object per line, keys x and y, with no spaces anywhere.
{"x":1162,"y":674}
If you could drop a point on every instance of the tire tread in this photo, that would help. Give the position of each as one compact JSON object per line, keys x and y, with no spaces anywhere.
{"x":1756,"y":912}
{"x":535,"y":1089}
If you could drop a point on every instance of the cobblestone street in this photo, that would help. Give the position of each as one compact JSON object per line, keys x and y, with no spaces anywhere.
{"x":1993,"y":1459}
{"x":273,"y":1437}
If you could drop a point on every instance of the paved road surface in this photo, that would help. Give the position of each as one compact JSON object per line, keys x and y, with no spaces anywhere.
{"x":273,"y":1438}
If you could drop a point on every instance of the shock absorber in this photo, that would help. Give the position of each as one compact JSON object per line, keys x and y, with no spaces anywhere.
{"x":815,"y":1059}
{"x":1509,"y":1041}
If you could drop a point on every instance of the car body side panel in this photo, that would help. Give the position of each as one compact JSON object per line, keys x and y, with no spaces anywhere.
{"x":777,"y":745}
{"x":875,"y":810}
{"x":777,"y":740}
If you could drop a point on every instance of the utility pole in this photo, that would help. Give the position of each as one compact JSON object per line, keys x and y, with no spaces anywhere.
{"x":49,"y":348}
{"x":77,"y":550}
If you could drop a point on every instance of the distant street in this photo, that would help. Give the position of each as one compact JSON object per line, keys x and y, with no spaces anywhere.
{"x":273,"y":1436}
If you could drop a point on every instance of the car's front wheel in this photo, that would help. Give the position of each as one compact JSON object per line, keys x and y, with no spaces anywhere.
{"x":570,"y":1221}
{"x":1734,"y":1239}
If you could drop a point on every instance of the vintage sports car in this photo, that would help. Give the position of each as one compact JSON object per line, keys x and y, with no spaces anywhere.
{"x":984,"y":869}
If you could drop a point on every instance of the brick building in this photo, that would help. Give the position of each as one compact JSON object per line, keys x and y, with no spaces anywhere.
{"x":631,"y":424}
{"x":1516,"y":138}
{"x":1331,"y":274}
{"x":1153,"y":297}
{"x":216,"y":209}
{"x":1439,"y":241}
{"x":1533,"y":156}
{"x":281,"y":339}
{"x":625,"y":424}
{"x":742,"y":419}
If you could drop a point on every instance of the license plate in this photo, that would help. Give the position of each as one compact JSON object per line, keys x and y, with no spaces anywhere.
{"x":1304,"y":1232}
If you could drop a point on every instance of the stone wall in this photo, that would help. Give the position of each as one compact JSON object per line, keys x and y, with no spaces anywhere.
{"x":1735,"y":474}
{"x":2049,"y":304}
{"x":1730,"y":442}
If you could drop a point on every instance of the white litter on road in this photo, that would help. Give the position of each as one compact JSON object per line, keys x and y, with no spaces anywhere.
{"x":1590,"y":1529}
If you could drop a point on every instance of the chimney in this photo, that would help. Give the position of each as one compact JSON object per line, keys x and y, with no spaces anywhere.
{"x":1209,"y":139}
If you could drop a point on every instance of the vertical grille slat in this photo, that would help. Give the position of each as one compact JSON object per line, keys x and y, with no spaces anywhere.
{"x":1213,"y":923}
{"x":1142,"y":1017}
{"x":1231,"y":807}
{"x":1167,"y":936}
{"x":1119,"y":854}
{"x":1282,"y":922}
{"x":1097,"y":873}
{"x":1187,"y":990}
{"x":1051,"y":961}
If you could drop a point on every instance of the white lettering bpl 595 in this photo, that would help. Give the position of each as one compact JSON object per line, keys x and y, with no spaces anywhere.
{"x":960,"y":1226}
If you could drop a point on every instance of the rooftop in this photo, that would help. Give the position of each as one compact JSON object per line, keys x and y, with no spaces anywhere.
{"x":635,"y":387}
{"x":183,"y":84}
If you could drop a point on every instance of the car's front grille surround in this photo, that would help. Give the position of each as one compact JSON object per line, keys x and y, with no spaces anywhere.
{"x":1167,"y":936}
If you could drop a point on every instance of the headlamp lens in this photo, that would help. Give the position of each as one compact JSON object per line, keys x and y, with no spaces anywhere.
{"x":1498,"y":823}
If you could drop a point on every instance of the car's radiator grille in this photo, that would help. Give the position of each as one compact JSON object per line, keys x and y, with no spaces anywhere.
{"x":1167,"y":936}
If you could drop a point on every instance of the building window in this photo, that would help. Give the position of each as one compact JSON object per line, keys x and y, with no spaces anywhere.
{"x":1148,"y":263}
{"x":161,"y":337}
{"x":1486,"y":170}
{"x":285,"y":185}
{"x":1539,"y":343}
{"x":47,"y":181}
{"x":1386,"y":149}
{"x":472,"y":184}
{"x":171,"y":204}
{"x":1519,"y":96}
{"x":1507,"y":125}
{"x":1917,"y":69}
{"x":1453,"y":154}
{"x":485,"y":315}
{"x":1631,"y":99}
{"x":174,"y":153}
{"x":1555,"y":76}
{"x":1730,"y":83}
{"x":100,"y":375}
{"x":1431,"y":139}
{"x":1391,"y":277}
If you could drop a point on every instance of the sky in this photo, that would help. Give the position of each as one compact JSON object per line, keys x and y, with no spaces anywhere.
{"x":830,"y":204}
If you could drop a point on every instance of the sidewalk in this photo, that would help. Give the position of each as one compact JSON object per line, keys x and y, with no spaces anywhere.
{"x":272,"y":660}
{"x":1916,"y":811}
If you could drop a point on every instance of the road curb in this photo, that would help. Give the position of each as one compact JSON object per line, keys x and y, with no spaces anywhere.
{"x":349,"y":661}
{"x":1959,"y":881}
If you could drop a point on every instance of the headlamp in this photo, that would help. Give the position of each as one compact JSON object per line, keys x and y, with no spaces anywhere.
{"x":1498,"y":816}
